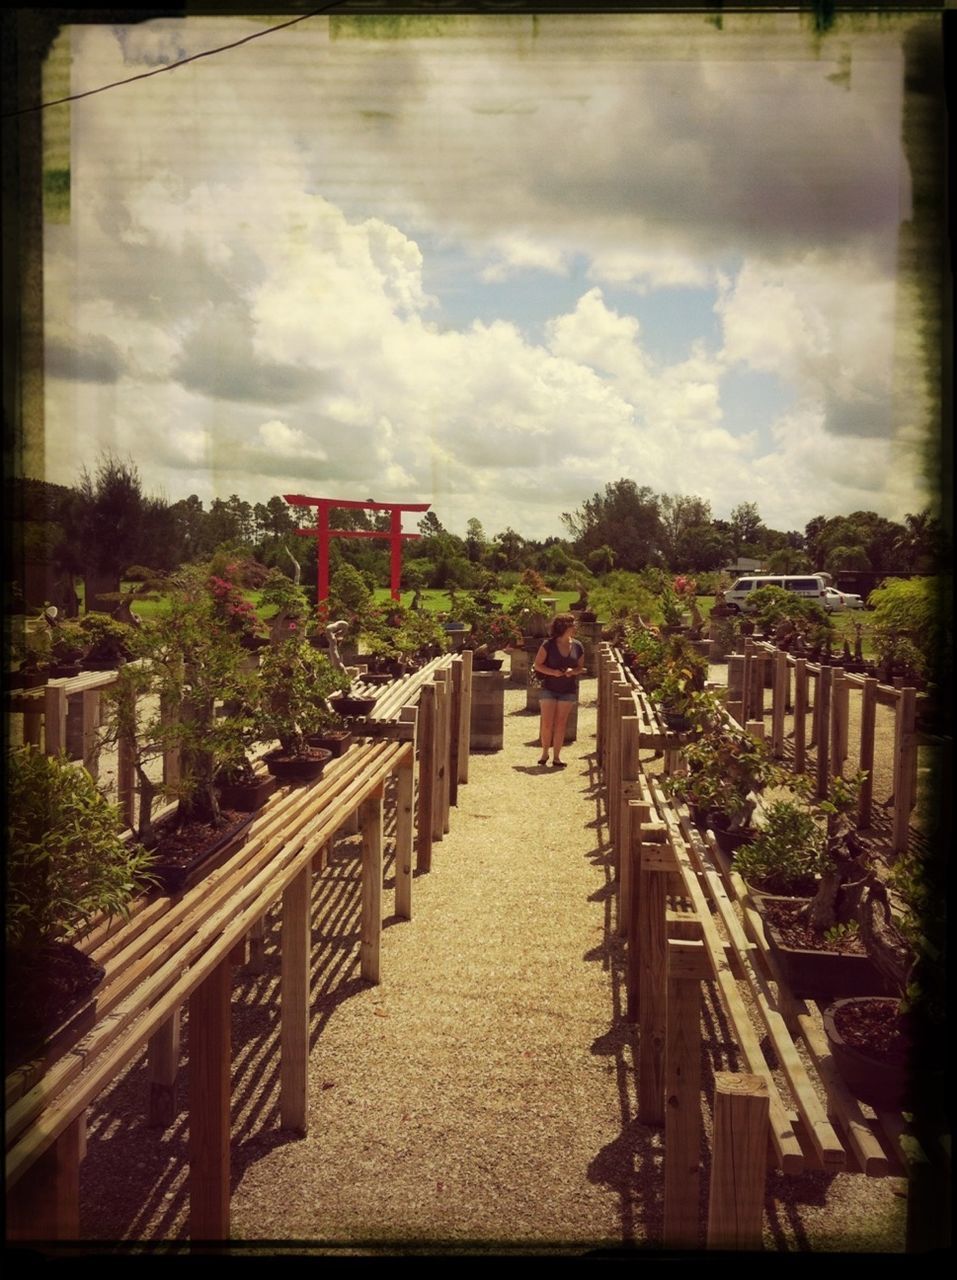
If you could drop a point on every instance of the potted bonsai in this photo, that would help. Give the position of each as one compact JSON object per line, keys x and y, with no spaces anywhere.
{"x":67,"y":863}
{"x":194,"y":673}
{"x":109,"y":642}
{"x":817,"y":941}
{"x":296,"y":684}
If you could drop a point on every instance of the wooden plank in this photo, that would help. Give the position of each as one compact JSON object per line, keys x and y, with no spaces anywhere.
{"x":45,"y":1204}
{"x":404,"y":822}
{"x":257,"y":946}
{"x":905,"y":750}
{"x":455,"y":731}
{"x":630,"y":767}
{"x":635,"y":812}
{"x":54,"y":718}
{"x":90,"y":717}
{"x":800,"y":713}
{"x":209,"y":1081}
{"x":683,"y":1124}
{"x":839,"y":709}
{"x":440,"y":824}
{"x":294,"y":1003}
{"x":779,"y":700}
{"x":164,"y":1047}
{"x":739,"y":1158}
{"x":865,"y":758}
{"x":427,"y":747}
{"x":652,"y":979}
{"x":466,"y":717}
{"x":370,"y":821}
{"x":822,"y":706}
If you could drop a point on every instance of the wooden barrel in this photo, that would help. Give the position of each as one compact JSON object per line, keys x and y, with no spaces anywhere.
{"x":533,"y":703}
{"x":487,"y":722}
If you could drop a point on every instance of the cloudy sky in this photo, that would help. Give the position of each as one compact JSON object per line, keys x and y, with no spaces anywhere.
{"x":487,"y":263}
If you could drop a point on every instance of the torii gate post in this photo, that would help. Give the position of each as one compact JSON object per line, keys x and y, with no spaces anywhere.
{"x":322,"y":533}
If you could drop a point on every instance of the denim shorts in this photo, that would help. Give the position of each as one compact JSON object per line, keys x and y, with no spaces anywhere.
{"x":546,"y":695}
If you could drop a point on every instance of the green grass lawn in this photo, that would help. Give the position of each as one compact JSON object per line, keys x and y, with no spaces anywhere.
{"x":437,"y":601}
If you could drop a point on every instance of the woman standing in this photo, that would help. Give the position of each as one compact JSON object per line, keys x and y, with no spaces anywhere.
{"x":561,"y":663}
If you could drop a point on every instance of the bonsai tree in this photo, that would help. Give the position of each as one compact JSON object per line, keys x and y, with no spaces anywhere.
{"x":844,"y":865}
{"x":727,"y":768}
{"x":66,"y":860}
{"x":296,"y":682}
{"x":786,"y":854}
{"x":108,"y":639}
{"x":196,"y":670}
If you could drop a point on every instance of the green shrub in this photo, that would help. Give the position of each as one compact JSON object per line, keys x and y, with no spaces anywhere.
{"x":787,"y":851}
{"x":66,"y":860}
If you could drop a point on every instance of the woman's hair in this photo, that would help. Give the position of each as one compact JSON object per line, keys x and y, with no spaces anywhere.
{"x":561,"y":622}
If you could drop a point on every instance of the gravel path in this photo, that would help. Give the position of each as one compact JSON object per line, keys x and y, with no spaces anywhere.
{"x":482,"y":1097}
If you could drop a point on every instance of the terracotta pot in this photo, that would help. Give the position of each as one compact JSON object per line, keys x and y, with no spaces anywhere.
{"x":296,"y":769}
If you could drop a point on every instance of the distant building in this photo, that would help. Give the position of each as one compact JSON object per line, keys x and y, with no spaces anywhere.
{"x":744,"y":565}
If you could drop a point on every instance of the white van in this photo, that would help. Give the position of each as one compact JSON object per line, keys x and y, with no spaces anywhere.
{"x":810,"y":586}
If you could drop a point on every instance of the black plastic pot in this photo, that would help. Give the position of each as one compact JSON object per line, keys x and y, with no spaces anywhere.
{"x":880,"y":1082}
{"x":823,"y":974}
{"x":297,"y":769}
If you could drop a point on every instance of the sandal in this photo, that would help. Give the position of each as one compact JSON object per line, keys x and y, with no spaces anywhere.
{"x":543,"y":761}
{"x":559,"y":764}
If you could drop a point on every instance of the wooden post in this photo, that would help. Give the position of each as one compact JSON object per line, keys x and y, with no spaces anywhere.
{"x":756,"y":692}
{"x":169,"y":711}
{"x":905,"y":754}
{"x":779,"y":700}
{"x":404,"y":813}
{"x":90,"y":704}
{"x":455,"y":732}
{"x":441,"y":758}
{"x":370,"y":822}
{"x":445,"y":683}
{"x":54,"y":719}
{"x":628,"y":744}
{"x":465,"y":723}
{"x":636,"y":820}
{"x":163,"y":1067}
{"x":755,"y":728}
{"x":44,"y":1205}
{"x":424,"y":815}
{"x":33,"y":726}
{"x":822,"y":709}
{"x":209,"y":1070}
{"x":866,"y":757}
{"x":746,"y":664}
{"x":687,"y":966}
{"x":839,"y":710}
{"x":652,"y":975}
{"x":257,"y":946}
{"x":800,"y":713}
{"x":619,"y":690}
{"x":738,"y":1164}
{"x":294,"y":1003}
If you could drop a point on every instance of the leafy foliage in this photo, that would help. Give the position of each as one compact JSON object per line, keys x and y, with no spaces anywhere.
{"x":787,"y":851}
{"x":66,"y":860}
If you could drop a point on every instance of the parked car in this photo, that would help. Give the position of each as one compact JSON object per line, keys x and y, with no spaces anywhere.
{"x":809,"y":586}
{"x":851,"y":601}
{"x":833,"y":601}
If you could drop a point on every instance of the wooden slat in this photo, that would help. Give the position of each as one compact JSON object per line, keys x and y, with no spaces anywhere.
{"x":294,"y":1002}
{"x":370,"y":823}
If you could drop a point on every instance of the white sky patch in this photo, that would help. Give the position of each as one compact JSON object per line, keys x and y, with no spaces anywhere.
{"x":285,"y":440}
{"x":653,"y":269}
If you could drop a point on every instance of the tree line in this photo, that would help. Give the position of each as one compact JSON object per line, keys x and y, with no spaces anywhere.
{"x":106,"y":528}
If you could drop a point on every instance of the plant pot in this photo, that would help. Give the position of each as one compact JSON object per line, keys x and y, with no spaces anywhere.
{"x":65,"y":670}
{"x":353,"y":706}
{"x":337,"y":742}
{"x":486,"y":664}
{"x":820,"y":972}
{"x":675,"y":720}
{"x":24,"y":679}
{"x":729,"y":839}
{"x":377,"y":677}
{"x":307,"y":767}
{"x":185,"y":854}
{"x":102,"y":664}
{"x":247,"y":797}
{"x":45,"y":990}
{"x":880,"y":1076}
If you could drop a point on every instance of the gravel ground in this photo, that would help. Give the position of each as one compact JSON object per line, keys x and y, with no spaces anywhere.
{"x":482,"y":1097}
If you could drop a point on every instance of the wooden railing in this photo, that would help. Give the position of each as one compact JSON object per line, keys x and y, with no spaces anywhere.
{"x":183,"y":949}
{"x":688,"y":918}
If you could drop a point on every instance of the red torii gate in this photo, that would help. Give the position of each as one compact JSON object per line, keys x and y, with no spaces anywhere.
{"x":322,"y":533}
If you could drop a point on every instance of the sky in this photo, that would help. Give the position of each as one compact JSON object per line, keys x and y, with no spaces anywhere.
{"x":490,"y":263}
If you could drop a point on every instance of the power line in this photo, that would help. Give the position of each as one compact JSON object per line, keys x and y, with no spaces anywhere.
{"x":171,"y":66}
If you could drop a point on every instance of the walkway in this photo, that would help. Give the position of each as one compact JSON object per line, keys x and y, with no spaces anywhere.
{"x":483,"y":1094}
